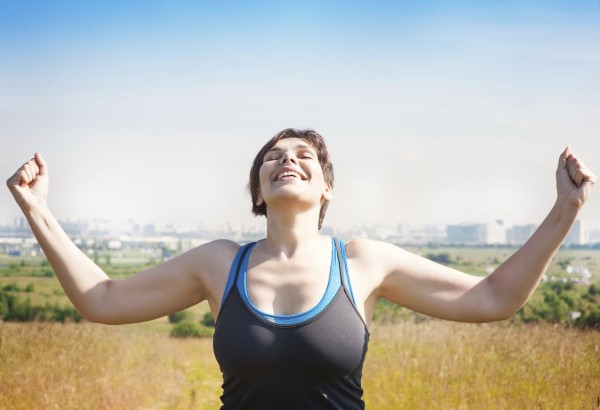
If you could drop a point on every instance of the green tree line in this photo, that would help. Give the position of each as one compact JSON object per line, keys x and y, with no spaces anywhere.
{"x":555,"y":302}
{"x":16,"y":308}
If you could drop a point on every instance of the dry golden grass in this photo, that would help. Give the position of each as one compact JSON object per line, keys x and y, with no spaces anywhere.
{"x":442,"y":365}
{"x":86,"y":366}
{"x":433,"y":365}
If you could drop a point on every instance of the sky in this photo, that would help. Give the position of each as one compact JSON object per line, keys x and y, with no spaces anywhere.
{"x":434,"y":112}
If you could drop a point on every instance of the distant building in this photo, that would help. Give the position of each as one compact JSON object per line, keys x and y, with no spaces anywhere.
{"x":594,"y":236}
{"x":476,"y":234}
{"x":465,"y":234}
{"x":495,"y":233}
{"x":576,"y":235}
{"x":519,"y":234}
{"x":19,"y":222}
{"x":149,"y":230}
{"x":426,"y":234}
{"x":73,"y":229}
{"x":383,"y":232}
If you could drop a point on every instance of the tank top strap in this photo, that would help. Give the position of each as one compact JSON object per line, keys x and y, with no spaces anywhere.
{"x":234,"y":271}
{"x":340,"y":246}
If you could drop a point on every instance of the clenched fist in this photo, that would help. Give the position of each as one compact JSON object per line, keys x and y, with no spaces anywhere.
{"x":29,"y":185}
{"x":574,"y":180}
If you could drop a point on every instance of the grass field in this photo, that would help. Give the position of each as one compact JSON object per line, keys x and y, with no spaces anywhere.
{"x":433,"y":365}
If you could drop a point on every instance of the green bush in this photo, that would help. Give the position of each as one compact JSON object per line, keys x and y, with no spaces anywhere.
{"x":188,"y":329}
{"x":178,"y":317}
{"x":389,"y":312}
{"x":591,"y":319}
{"x":443,"y":258}
{"x":553,"y":302}
{"x":207,"y":320}
{"x":11,"y":287}
{"x":3,"y":304}
{"x":64,"y":314}
{"x":20,"y":310}
{"x":14,"y":308}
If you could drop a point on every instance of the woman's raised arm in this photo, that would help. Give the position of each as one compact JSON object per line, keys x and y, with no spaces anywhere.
{"x":174,"y":285}
{"x":443,"y":292}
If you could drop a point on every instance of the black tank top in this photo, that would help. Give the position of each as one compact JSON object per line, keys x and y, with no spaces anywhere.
{"x":312,"y":360}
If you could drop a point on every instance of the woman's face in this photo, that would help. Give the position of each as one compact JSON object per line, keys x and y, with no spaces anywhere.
{"x":291,"y":172}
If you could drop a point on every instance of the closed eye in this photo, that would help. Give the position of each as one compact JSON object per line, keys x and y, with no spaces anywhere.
{"x":305,"y":154}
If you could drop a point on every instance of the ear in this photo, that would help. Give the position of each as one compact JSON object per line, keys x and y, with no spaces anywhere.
{"x":328,"y":194}
{"x":259,"y":199}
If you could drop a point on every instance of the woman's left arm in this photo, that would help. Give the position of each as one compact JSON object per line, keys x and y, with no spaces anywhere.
{"x":514,"y":281}
{"x":439,"y":291}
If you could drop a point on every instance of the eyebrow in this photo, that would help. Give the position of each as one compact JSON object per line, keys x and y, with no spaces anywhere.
{"x":299,"y":145}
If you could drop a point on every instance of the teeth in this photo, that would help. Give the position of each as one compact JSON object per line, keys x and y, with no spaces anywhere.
{"x":288,"y":174}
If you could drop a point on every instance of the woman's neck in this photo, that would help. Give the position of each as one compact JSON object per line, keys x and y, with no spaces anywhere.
{"x":288,"y":234}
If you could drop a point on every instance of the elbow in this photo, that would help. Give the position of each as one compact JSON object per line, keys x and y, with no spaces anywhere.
{"x":500,"y":304}
{"x":497,"y":309}
{"x":97,"y":309}
{"x":93,"y":316}
{"x":500,"y":316}
{"x":95,"y":319}
{"x":500,"y":313}
{"x":512,"y":311}
{"x":96,"y":313}
{"x":101,"y":318}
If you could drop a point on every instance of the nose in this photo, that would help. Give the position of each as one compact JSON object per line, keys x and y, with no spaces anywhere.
{"x":288,"y":156}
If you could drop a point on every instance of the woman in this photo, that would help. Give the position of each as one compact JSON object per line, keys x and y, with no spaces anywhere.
{"x":292,"y":311}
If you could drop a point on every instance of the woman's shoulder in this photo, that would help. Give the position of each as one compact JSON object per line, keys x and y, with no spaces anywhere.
{"x":368,"y":262}
{"x":363,"y":248}
{"x":213,"y":260}
{"x":376,"y":258}
{"x":214,"y":256}
{"x":218,"y":248}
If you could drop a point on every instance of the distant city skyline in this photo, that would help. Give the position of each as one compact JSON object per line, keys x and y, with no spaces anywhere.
{"x":465,"y":234}
{"x":434,"y":112}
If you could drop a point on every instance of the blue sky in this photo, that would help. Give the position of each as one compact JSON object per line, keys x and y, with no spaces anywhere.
{"x":435,"y":112}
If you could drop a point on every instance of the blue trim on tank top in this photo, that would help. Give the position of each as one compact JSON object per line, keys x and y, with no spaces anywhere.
{"x":232,"y":270}
{"x":346,"y":271}
{"x":333,"y":285}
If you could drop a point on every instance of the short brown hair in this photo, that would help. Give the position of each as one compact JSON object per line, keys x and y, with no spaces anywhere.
{"x":316,"y":141}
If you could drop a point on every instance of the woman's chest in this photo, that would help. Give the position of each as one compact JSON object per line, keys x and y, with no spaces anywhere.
{"x":287,"y":288}
{"x":287,"y":283}
{"x":333,"y":341}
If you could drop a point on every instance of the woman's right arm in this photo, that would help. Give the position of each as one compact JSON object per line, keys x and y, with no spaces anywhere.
{"x":167,"y":288}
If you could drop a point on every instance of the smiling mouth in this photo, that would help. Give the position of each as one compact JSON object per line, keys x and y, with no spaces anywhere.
{"x":289,"y":175}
